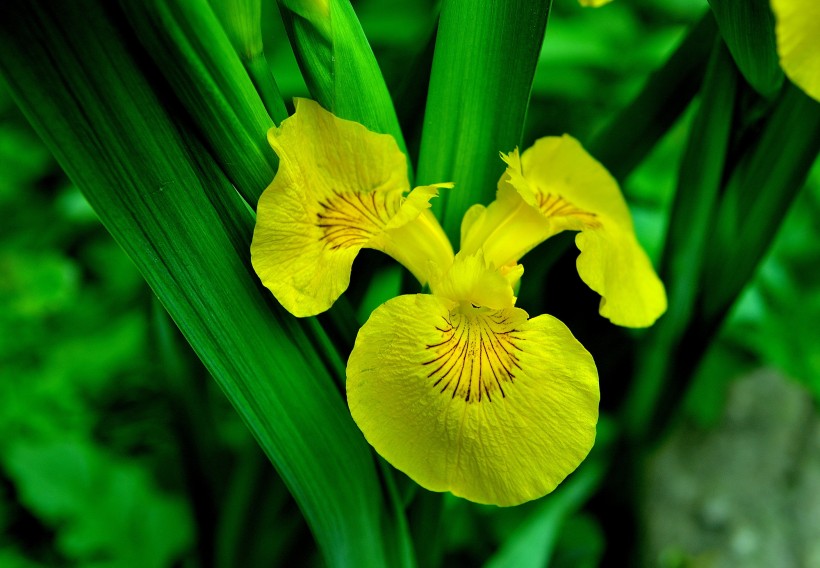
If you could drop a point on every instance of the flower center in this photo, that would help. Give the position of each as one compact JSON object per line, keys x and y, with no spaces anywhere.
{"x":351,"y":218}
{"x":477,"y":356}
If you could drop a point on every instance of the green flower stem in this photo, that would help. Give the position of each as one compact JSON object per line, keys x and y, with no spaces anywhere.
{"x":242,"y":22}
{"x":260,"y":73}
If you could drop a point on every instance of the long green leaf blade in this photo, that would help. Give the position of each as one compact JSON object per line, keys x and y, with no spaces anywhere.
{"x":758,"y":196}
{"x":484,"y":63}
{"x":159,"y":193}
{"x":693,"y":211}
{"x":196,"y":57}
{"x":532,"y":544}
{"x":759,"y":192}
{"x":625,"y":141}
{"x":747,"y":28}
{"x":338,"y":65}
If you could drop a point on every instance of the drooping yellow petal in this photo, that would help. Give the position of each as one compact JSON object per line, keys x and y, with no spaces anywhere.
{"x":798,"y":42}
{"x":483,"y":403}
{"x":339,"y":188}
{"x":556,"y":186}
{"x":593,"y":3}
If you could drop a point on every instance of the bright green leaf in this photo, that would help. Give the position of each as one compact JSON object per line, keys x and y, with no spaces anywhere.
{"x":485,"y":59}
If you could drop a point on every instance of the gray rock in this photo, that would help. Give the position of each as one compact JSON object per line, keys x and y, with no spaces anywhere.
{"x":746,"y":494}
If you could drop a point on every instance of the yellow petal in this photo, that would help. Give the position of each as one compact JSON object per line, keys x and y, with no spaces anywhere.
{"x":613,"y":264}
{"x":415,"y":238}
{"x":472,"y":282}
{"x":338,"y":189}
{"x":593,"y":3}
{"x":556,"y":186}
{"x":798,"y":42}
{"x":483,"y":403}
{"x":507,"y":229}
{"x":575,"y":192}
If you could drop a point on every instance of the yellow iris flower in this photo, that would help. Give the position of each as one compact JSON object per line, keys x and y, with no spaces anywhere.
{"x":798,"y":42}
{"x":457,"y":388}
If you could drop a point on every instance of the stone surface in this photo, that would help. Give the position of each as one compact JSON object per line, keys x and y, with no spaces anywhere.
{"x":746,"y":494}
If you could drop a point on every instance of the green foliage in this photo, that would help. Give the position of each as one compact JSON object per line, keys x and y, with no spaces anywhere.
{"x":195,"y":57}
{"x":338,"y":64}
{"x":69,"y":328}
{"x":485,"y":59}
{"x":748,"y":29}
{"x":109,"y":513}
{"x":532,"y":544}
{"x":119,"y":449}
{"x":188,"y":232}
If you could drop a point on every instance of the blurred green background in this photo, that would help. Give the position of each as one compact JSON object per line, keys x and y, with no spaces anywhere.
{"x":118,"y":450}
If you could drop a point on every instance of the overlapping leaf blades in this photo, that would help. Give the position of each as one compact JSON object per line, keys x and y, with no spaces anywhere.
{"x":82,"y":83}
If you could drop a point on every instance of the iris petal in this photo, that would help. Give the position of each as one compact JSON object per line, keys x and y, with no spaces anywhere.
{"x":556,"y":186}
{"x":484,"y":403}
{"x":339,"y":188}
{"x":798,"y":42}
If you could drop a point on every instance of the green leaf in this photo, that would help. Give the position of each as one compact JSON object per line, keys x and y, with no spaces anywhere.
{"x":532,"y":544}
{"x":242,"y":21}
{"x":693,"y":211}
{"x":101,"y":507}
{"x":339,"y":67}
{"x":747,"y":26}
{"x":625,"y":141}
{"x":758,"y":195}
{"x":82,"y":81}
{"x":195,"y":56}
{"x":484,"y":63}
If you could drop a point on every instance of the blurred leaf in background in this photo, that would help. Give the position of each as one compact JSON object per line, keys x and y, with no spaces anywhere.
{"x":774,"y":322}
{"x":98,"y":457}
{"x":75,"y":339}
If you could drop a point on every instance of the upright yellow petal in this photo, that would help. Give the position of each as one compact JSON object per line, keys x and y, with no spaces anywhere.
{"x":339,"y":188}
{"x":798,"y":42}
{"x":507,"y":229}
{"x":472,"y":282}
{"x":483,"y":403}
{"x":556,"y":186}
